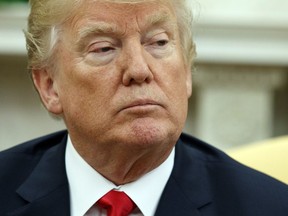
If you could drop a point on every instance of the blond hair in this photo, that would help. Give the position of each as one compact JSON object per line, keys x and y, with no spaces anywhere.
{"x":47,"y":15}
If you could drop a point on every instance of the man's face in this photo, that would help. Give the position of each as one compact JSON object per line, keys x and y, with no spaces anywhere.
{"x":121,"y":76}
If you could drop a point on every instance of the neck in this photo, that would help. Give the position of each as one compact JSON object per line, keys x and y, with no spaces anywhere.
{"x":122,"y":166}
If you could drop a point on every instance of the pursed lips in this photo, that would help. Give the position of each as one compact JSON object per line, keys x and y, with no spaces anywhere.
{"x":142,"y":103}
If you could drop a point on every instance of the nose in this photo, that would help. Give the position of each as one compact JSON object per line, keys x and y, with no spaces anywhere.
{"x":137,"y":69}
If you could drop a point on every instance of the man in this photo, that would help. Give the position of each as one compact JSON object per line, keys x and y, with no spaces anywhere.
{"x":118,"y":73}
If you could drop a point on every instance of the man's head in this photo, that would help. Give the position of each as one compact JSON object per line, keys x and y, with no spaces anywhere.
{"x":116,"y":73}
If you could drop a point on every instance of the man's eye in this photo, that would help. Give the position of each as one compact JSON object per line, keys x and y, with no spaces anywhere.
{"x":101,"y":52}
{"x":162,"y":42}
{"x":102,"y":49}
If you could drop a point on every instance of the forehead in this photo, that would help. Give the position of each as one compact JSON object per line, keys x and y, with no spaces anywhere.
{"x":122,"y":12}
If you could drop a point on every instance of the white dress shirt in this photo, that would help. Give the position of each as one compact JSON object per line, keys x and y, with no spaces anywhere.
{"x":87,"y":186}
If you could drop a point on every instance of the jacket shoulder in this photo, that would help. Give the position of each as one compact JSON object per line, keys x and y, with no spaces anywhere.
{"x":37,"y":145}
{"x":18,"y":161}
{"x":216,"y":159}
{"x":232,"y":184}
{"x":30,"y":169}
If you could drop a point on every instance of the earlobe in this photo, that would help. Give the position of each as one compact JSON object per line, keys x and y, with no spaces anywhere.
{"x":47,"y":90}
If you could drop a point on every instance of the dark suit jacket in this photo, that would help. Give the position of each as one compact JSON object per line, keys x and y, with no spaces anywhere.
{"x":204,"y":182}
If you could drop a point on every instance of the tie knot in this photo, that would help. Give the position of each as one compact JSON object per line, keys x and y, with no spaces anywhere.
{"x":116,"y":203}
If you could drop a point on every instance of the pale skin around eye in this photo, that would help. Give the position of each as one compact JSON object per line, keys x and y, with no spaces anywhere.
{"x":102,"y":50}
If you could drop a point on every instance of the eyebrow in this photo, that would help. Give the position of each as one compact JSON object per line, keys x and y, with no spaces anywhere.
{"x":97,"y":28}
{"x":105,"y":28}
{"x":160,"y":18}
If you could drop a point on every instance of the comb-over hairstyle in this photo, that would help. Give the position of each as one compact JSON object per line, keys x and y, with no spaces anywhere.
{"x":46,"y":17}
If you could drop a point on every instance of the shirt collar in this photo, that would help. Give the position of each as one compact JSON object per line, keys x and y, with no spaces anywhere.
{"x":87,"y":185}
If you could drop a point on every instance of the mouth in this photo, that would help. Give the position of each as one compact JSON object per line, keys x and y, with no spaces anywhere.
{"x":141,"y":106}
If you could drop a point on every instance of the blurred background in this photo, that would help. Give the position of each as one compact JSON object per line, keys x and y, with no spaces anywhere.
{"x":240,"y":92}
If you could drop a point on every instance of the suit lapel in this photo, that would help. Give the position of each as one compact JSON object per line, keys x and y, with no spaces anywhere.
{"x":186,"y":192}
{"x":46,"y":195}
{"x":175,"y":202}
{"x":187,"y":189}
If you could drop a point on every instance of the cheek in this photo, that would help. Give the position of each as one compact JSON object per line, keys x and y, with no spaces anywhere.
{"x":86,"y":89}
{"x":176,"y":77}
{"x":176,"y":89}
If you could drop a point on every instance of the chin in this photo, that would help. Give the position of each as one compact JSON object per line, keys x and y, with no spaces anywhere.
{"x":152,"y":133}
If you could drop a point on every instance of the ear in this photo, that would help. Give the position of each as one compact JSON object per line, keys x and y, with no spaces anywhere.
{"x":47,"y":90}
{"x":189,"y":81}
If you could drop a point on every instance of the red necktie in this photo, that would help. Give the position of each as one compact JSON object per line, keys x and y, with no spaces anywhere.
{"x":116,"y":203}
